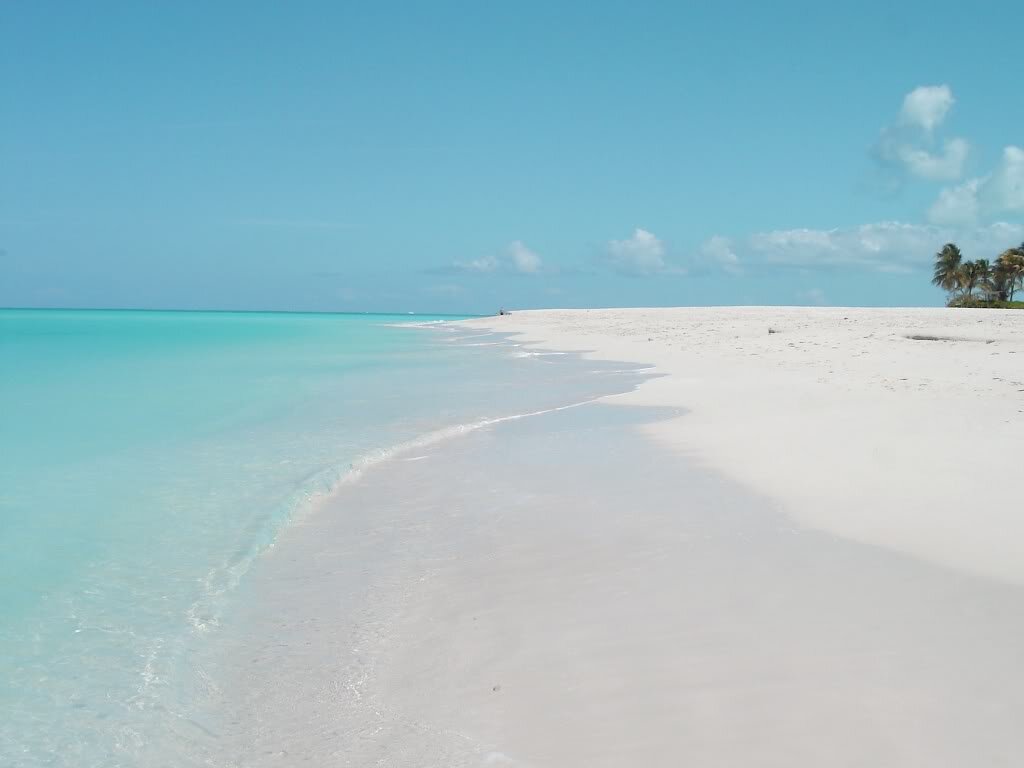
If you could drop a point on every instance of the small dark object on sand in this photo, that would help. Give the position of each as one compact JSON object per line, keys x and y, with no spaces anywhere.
{"x":504,"y":312}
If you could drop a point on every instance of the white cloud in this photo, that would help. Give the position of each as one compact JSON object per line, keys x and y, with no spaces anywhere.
{"x":887,"y":246}
{"x":909,"y":145}
{"x":523,"y":259}
{"x":956,"y":205}
{"x":1000,"y":192}
{"x":927,"y":106}
{"x":936,"y":166}
{"x":483,"y":264}
{"x":718,"y":250}
{"x":641,"y":254}
{"x":1003,"y":191}
{"x":794,"y":241}
{"x":515,"y":258}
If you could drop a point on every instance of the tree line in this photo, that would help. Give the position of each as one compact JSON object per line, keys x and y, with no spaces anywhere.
{"x":979,"y":282}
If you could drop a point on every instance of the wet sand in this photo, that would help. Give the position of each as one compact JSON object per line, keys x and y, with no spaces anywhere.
{"x":565,"y":591}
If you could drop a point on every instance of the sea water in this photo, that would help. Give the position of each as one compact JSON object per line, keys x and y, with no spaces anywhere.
{"x":148,"y":459}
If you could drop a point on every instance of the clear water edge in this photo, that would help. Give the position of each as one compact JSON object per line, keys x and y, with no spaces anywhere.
{"x":123,"y":541}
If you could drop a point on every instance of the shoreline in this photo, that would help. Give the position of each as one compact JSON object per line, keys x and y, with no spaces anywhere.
{"x":839,"y":415}
{"x":507,"y":387}
{"x":125,"y":573}
{"x":563,"y":590}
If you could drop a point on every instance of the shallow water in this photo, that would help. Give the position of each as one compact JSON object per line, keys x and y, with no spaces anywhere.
{"x":150,"y":458}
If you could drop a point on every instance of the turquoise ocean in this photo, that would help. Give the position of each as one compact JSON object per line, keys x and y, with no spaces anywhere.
{"x":149,"y":458}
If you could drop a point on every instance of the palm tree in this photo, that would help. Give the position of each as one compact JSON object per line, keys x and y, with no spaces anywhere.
{"x":947,"y":268}
{"x":973,"y":274}
{"x":1000,"y":284}
{"x":986,"y":278}
{"x":1010,"y":270}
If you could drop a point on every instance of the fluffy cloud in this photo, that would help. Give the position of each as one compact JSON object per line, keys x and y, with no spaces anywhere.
{"x":516,"y":258}
{"x":719,"y":252}
{"x":936,"y":166}
{"x":909,"y":146}
{"x":523,"y":259}
{"x":641,"y":254}
{"x":1000,"y":192}
{"x":956,"y":205}
{"x":888,"y":246}
{"x":927,"y":106}
{"x":1003,"y":191}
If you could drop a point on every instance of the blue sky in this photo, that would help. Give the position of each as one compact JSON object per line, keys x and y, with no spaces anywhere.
{"x":464,"y":156}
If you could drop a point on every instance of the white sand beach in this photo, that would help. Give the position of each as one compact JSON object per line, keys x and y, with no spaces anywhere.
{"x":805,"y":551}
{"x":903,"y":428}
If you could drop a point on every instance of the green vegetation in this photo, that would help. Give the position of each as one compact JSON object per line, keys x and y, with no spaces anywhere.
{"x":980,"y":283}
{"x":963,"y":301}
